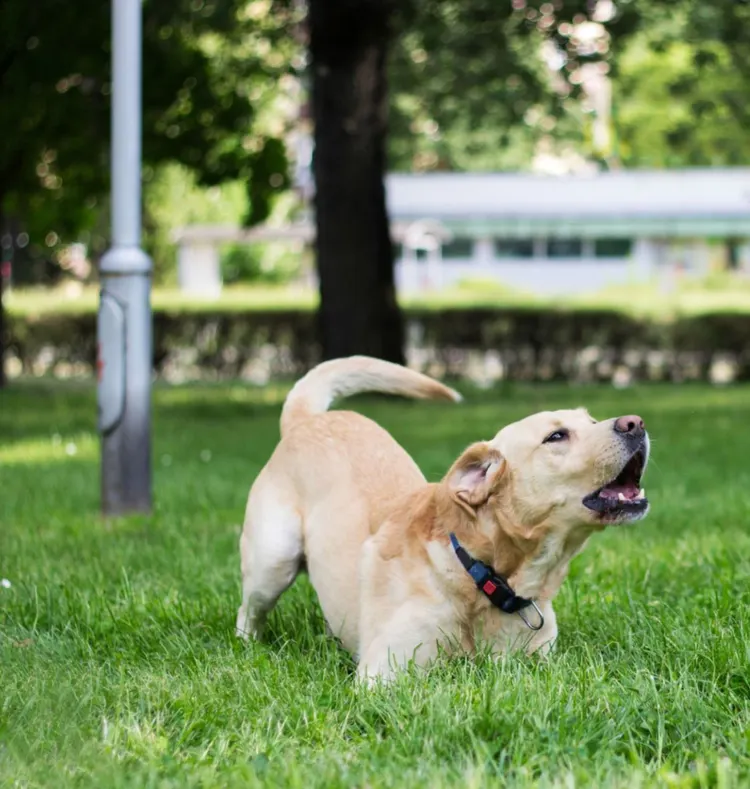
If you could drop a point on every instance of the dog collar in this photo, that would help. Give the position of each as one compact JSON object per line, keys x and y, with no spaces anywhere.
{"x":494,"y":587}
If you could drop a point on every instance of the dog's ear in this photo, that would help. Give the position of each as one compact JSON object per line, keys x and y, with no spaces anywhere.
{"x":473,"y":476}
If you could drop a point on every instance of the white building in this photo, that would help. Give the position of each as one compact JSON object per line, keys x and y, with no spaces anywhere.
{"x":568,"y":234}
{"x":542,"y":234}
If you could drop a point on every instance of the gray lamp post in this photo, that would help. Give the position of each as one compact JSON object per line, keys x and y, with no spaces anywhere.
{"x":124,"y":321}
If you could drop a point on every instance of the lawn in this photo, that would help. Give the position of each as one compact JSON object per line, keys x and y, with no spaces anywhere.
{"x":723,"y":293}
{"x":119,"y":668}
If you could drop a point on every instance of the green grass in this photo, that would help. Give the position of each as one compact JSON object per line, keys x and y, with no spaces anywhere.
{"x":119,"y":668}
{"x":720,"y":294}
{"x":43,"y":301}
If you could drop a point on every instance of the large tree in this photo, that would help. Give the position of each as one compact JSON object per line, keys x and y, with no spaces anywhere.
{"x":207,"y":66}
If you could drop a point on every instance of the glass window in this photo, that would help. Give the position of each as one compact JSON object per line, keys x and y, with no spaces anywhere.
{"x":612,"y":247}
{"x":459,"y":248}
{"x":564,"y":248}
{"x":514,"y":248}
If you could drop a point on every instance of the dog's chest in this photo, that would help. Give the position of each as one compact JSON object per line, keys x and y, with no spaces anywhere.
{"x":482,"y":625}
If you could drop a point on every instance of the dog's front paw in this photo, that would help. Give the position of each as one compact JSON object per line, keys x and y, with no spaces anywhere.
{"x":372,"y":676}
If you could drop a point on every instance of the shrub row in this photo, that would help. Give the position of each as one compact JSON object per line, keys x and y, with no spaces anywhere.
{"x":484,"y":344}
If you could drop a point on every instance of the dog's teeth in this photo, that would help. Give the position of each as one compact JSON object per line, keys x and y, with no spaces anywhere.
{"x":642,"y":493}
{"x":621,"y":496}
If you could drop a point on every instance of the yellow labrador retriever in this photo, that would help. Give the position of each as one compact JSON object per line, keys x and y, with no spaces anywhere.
{"x":402,"y":567}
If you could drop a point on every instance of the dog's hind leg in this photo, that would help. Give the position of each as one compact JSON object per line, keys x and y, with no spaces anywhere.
{"x":271,"y":551}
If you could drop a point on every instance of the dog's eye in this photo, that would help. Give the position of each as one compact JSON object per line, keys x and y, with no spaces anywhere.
{"x":558,"y":435}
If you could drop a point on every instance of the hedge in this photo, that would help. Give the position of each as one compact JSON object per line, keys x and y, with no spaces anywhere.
{"x":519,"y":343}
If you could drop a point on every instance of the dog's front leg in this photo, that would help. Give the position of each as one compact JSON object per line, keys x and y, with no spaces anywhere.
{"x":543,"y":640}
{"x":509,"y":633}
{"x":409,"y":636}
{"x":398,"y":624}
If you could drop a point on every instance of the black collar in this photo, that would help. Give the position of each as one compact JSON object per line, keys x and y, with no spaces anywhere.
{"x":494,"y":586}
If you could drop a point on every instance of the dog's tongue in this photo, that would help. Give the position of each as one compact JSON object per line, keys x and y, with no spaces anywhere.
{"x":613,"y":491}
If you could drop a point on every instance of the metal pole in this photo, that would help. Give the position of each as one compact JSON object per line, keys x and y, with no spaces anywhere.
{"x":124,"y":322}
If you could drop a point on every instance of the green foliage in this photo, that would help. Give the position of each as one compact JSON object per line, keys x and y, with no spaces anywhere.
{"x":462,"y":84}
{"x":680,"y":72}
{"x":259,"y":263}
{"x":120,"y":667}
{"x":240,"y":263}
{"x":174,"y":199}
{"x":470,"y":90}
{"x":211,"y":76}
{"x":681,"y":95}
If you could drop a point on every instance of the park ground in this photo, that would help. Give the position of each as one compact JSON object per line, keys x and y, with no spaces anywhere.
{"x":119,"y":667}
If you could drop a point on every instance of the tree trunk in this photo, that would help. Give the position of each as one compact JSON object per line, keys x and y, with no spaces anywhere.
{"x":358,"y":311}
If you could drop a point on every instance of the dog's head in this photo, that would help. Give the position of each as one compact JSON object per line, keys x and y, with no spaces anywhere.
{"x":562,"y":468}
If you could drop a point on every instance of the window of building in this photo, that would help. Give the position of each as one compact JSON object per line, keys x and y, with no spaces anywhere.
{"x":612,"y":247}
{"x":514,"y":248}
{"x":459,"y":247}
{"x":564,"y":248}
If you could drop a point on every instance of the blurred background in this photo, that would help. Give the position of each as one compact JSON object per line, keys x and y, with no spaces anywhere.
{"x":493,"y":189}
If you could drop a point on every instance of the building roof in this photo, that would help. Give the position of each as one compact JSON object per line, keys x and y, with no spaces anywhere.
{"x":303,"y":231}
{"x":692,"y":202}
{"x":698,"y":203}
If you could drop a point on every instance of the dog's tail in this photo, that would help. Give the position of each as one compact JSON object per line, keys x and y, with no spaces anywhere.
{"x":314,"y":393}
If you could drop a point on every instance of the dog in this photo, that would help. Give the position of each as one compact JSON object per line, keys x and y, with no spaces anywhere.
{"x":404,"y":569}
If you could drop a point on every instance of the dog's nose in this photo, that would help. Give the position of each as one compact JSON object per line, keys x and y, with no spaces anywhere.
{"x":631,"y":425}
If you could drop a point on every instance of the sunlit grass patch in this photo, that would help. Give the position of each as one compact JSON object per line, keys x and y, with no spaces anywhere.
{"x":55,"y":449}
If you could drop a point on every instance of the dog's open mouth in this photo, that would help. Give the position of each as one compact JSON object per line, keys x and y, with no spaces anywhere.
{"x":623,"y":497}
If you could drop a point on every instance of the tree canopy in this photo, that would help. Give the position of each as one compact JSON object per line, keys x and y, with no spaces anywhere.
{"x":681,"y":85}
{"x":210,"y":69}
{"x":470,"y":89}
